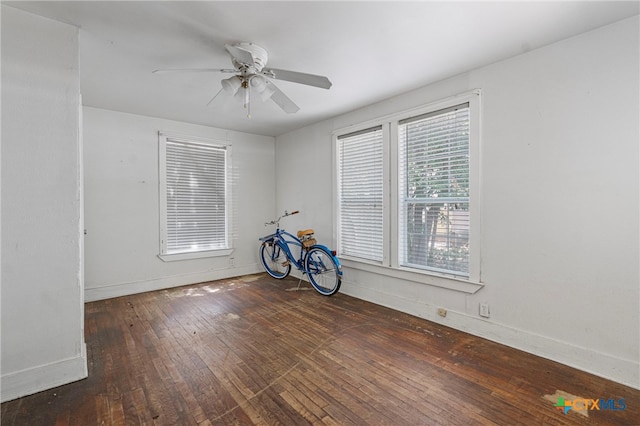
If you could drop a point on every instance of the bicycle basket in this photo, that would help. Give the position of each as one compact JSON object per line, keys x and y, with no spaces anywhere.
{"x":307,"y":239}
{"x":306,"y":244}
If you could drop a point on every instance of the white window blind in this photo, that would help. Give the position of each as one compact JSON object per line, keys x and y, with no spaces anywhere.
{"x":195,"y":197}
{"x":361,"y":194}
{"x":434,"y":191}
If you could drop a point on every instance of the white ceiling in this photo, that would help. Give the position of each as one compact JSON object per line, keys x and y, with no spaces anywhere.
{"x":369,"y":50}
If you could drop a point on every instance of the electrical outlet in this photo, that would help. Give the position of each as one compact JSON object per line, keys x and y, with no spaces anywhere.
{"x":232,"y":262}
{"x":442,"y":312}
{"x":484,"y":310}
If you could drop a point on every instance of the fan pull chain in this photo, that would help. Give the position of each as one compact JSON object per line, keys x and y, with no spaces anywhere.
{"x":247,"y":97}
{"x":248,"y":102}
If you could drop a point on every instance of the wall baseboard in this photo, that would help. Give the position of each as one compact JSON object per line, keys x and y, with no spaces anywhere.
{"x":134,"y":287}
{"x":43,"y":377}
{"x":626,"y":372}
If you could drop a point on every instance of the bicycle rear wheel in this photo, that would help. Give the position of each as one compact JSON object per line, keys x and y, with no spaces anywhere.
{"x":323,"y":271}
{"x":274,"y":260}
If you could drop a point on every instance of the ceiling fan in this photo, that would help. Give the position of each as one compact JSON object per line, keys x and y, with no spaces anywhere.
{"x":249,"y":62}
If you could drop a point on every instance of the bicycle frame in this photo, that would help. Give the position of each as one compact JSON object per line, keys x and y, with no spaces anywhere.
{"x":280,"y":238}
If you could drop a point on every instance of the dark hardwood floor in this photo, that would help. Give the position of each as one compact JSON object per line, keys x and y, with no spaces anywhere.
{"x":245,"y":351}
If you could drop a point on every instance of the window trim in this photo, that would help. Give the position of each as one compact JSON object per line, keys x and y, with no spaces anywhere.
{"x":390,"y":266}
{"x":163,"y":137}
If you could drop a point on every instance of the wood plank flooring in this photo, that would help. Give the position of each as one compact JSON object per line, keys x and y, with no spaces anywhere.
{"x":245,"y":351}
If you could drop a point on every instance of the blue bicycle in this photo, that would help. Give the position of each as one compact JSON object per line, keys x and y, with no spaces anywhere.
{"x":319,"y":263}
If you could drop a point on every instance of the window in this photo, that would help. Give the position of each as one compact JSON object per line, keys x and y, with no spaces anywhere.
{"x":408,"y":193}
{"x":434,"y":191}
{"x":194,"y":198}
{"x":361,"y":192}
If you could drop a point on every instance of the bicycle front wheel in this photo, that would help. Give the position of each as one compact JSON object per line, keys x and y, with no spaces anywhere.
{"x":323,"y":271}
{"x":274,"y":260}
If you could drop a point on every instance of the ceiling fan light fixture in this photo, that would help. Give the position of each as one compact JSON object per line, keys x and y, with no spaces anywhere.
{"x":239,"y":96}
{"x":232,"y":84}
{"x":258,"y":82}
{"x":262,"y":86}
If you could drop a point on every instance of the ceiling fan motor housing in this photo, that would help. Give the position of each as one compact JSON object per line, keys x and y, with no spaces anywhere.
{"x":259,"y":54}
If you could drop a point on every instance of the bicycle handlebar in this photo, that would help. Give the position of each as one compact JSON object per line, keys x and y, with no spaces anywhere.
{"x":286,"y":213}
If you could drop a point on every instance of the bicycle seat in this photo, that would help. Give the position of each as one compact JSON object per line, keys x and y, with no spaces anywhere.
{"x":305,"y":232}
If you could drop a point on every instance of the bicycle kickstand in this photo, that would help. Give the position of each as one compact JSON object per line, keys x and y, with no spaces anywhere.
{"x":299,"y":284}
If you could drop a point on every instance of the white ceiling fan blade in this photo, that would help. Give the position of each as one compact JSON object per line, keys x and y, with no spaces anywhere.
{"x":163,"y":71}
{"x":298,"y":77}
{"x":241,"y":55}
{"x":282,"y":100}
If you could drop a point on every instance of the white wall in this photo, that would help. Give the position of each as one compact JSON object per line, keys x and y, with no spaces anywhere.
{"x":560,"y":202}
{"x":121,"y":204}
{"x":42,"y":289}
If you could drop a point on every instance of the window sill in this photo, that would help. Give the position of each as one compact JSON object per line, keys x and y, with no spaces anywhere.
{"x":195,"y":255}
{"x":430,"y":278}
